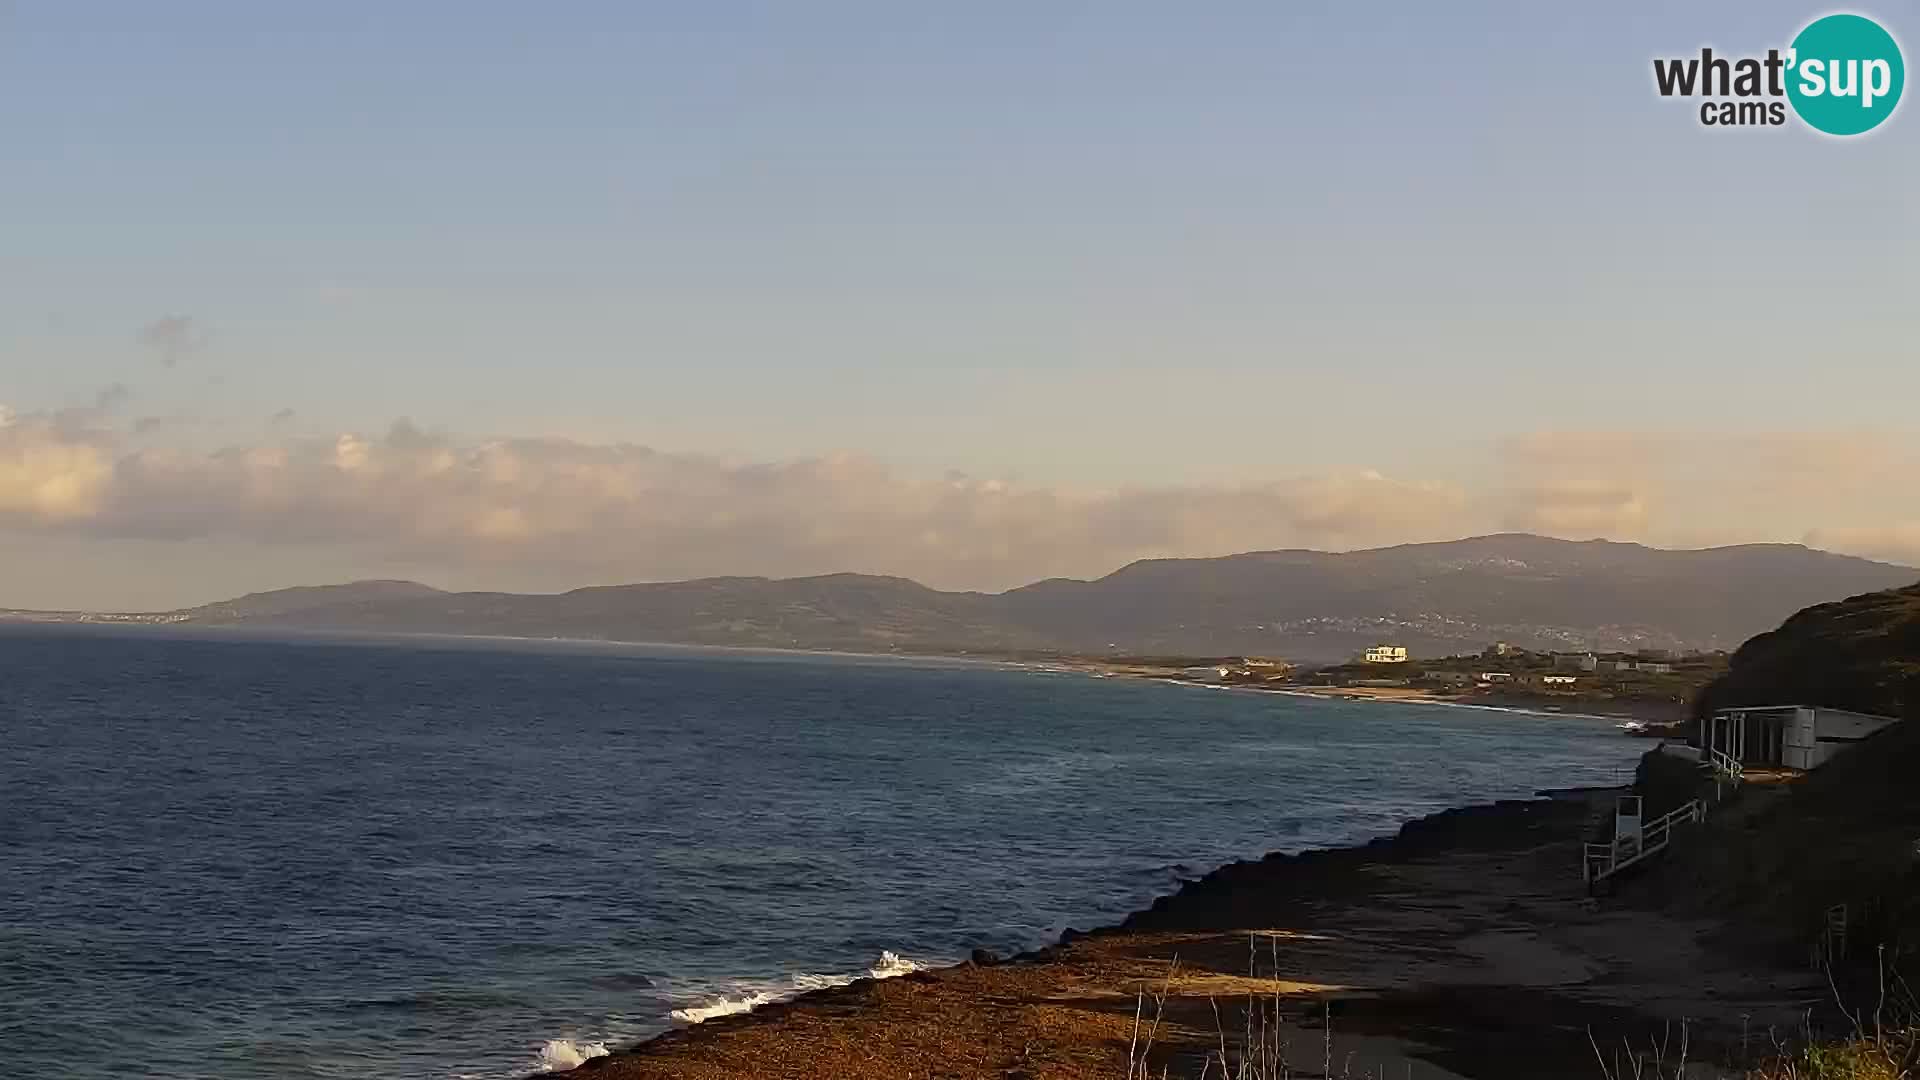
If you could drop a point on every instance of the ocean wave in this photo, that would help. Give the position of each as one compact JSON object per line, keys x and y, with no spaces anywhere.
{"x":745,"y":997}
{"x":727,"y":1005}
{"x":559,"y":1055}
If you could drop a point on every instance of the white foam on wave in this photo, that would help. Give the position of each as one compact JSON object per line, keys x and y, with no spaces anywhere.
{"x":890,"y":965}
{"x":559,"y":1055}
{"x":724,"y":1005}
{"x":746,"y":997}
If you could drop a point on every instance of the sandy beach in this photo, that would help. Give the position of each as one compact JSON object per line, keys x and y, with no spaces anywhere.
{"x":1501,"y":698}
{"x":1658,"y":712}
{"x":1463,"y":947}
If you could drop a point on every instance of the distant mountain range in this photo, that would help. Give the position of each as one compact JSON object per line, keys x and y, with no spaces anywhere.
{"x":1305,"y":605}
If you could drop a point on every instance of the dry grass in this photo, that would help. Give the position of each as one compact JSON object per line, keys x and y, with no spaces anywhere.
{"x":1261,"y":1048}
{"x":1875,"y":1050}
{"x":1890,"y":1056}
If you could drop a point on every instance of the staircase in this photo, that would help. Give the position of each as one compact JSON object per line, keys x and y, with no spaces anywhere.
{"x":1636,"y":842}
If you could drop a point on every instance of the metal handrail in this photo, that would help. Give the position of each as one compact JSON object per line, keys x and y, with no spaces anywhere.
{"x":1604,"y":860}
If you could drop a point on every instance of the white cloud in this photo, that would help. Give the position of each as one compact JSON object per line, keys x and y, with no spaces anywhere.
{"x":1578,"y":510}
{"x":619,"y":510}
{"x":48,"y":475}
{"x":607,"y":512}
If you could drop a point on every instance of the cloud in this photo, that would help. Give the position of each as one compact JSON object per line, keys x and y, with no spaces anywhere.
{"x":1896,"y":543}
{"x":580,"y":512}
{"x":1770,"y":458}
{"x":1578,"y":510}
{"x":1676,"y":484}
{"x":622,"y":511}
{"x":50,"y":473}
{"x":112,"y":397}
{"x":1584,"y":450}
{"x":174,"y":337}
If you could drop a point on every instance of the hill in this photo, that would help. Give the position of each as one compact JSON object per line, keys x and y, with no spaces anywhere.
{"x":1859,"y":653}
{"x":1781,"y":864}
{"x":1436,"y":599}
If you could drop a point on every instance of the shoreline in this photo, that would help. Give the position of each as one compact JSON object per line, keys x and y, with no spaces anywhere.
{"x":1649,"y":712}
{"x":1441,"y":949}
{"x":1086,"y":666}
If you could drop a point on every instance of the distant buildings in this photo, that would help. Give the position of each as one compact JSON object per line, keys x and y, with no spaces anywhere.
{"x":1386,"y":654}
{"x":1650,"y":667}
{"x":1586,"y":661}
{"x":1245,"y":668}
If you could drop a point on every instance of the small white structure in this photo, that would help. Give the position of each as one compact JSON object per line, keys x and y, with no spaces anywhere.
{"x":1559,"y":680}
{"x":1634,"y":838}
{"x":1785,"y":736}
{"x":1626,"y":826}
{"x":1386,"y":654}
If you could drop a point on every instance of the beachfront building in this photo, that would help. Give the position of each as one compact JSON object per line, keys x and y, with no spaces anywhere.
{"x":1559,"y":680}
{"x":1585,"y":661}
{"x":1650,"y":667}
{"x":1386,"y":654}
{"x":1783,"y":736}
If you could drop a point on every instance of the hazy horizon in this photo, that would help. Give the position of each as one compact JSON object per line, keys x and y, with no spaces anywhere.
{"x":300,"y":584}
{"x":494,"y":298}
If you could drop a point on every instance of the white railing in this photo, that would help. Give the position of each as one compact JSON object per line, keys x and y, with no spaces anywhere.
{"x":1605,"y":860}
{"x":1726,"y":765}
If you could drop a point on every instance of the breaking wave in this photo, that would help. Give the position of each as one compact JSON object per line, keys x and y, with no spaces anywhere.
{"x":890,"y":965}
{"x":559,"y":1055}
{"x":746,"y":997}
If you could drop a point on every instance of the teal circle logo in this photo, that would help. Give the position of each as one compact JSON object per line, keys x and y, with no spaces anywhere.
{"x":1845,"y":74}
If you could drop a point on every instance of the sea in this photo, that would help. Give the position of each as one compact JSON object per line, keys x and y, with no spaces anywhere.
{"x":238,"y":857}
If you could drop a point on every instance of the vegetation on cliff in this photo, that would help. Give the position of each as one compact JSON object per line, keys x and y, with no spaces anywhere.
{"x":1859,"y":653}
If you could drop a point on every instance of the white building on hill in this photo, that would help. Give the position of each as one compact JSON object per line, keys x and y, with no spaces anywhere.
{"x":1785,"y":736}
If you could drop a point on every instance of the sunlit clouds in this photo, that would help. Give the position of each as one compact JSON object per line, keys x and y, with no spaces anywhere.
{"x":617,"y":511}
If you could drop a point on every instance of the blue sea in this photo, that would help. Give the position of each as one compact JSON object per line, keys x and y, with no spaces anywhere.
{"x":240,"y":857}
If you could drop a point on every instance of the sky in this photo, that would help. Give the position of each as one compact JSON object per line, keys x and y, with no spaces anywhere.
{"x":529,"y":297}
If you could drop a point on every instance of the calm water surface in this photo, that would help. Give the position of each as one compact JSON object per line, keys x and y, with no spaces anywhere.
{"x":234,"y":857}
